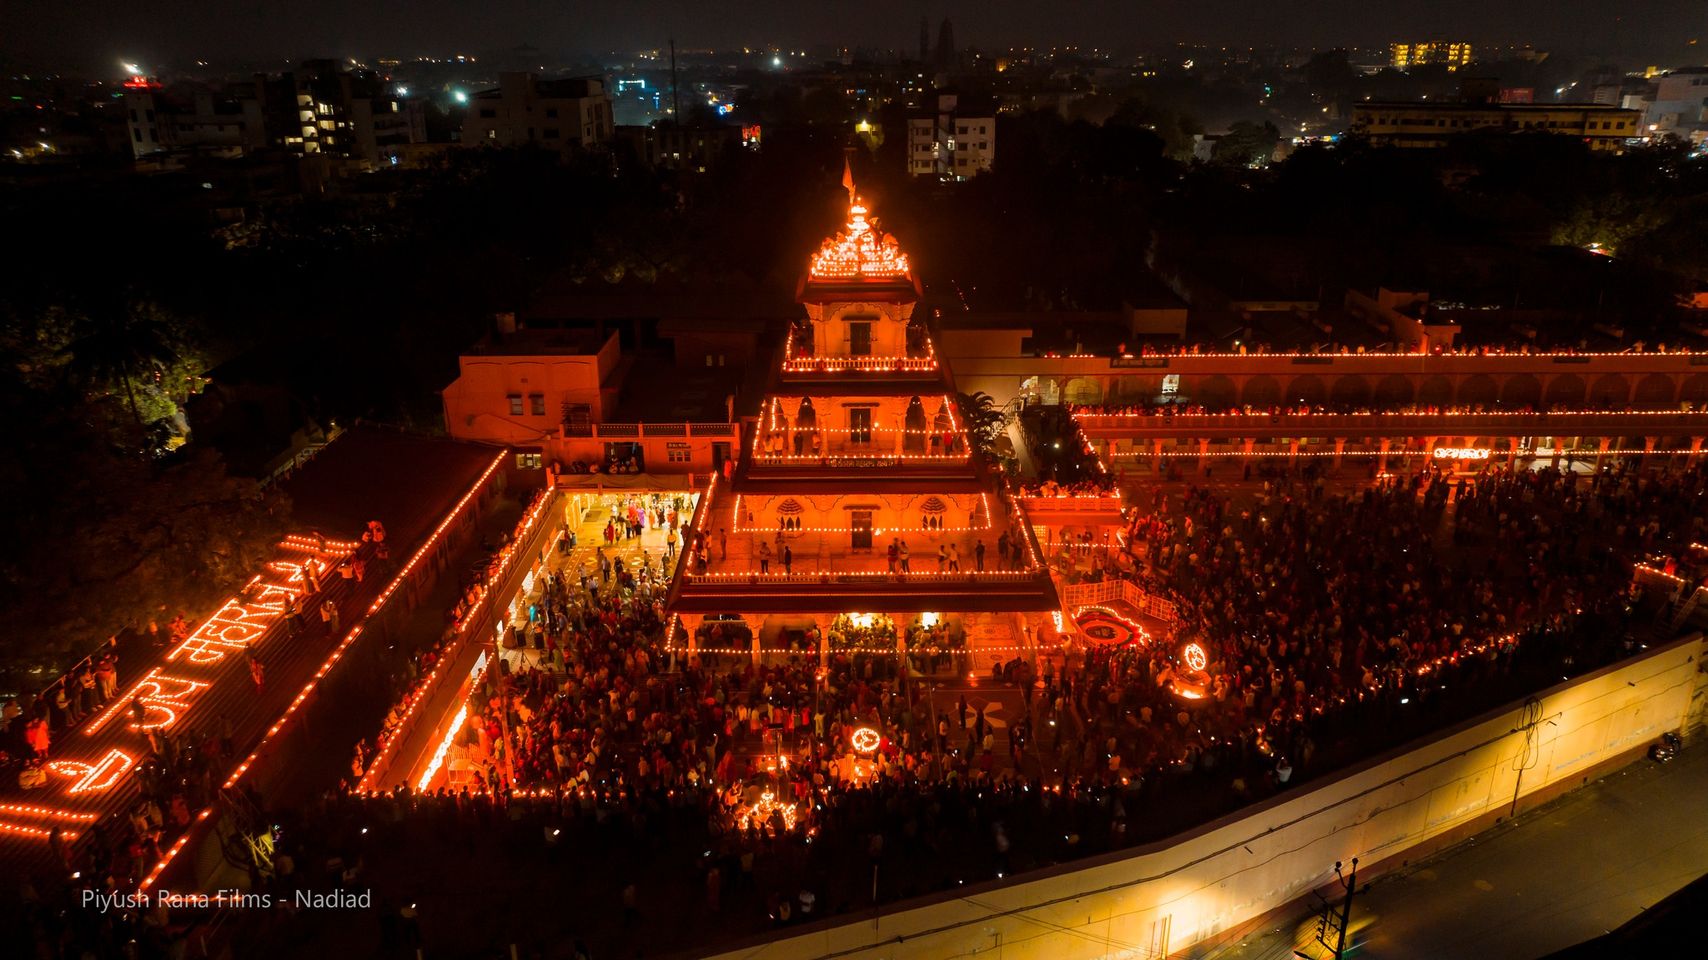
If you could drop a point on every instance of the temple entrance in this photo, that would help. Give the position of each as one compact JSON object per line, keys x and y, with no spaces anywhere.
{"x":861,"y":527}
{"x":860,"y":425}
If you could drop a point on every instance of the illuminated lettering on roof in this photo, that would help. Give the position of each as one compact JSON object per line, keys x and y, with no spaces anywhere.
{"x":161,"y":698}
{"x":94,"y":777}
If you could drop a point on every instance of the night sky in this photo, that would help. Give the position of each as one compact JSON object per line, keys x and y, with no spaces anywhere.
{"x":90,"y":34}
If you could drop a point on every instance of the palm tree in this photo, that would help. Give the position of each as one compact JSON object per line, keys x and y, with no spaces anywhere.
{"x":119,"y":342}
{"x":984,"y":421}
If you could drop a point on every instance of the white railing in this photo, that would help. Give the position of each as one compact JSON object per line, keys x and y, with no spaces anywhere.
{"x":1107,"y":591}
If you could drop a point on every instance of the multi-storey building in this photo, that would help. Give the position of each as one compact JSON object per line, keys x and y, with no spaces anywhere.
{"x":319,"y":108}
{"x":861,"y":519}
{"x":231,"y":121}
{"x":350,"y":114}
{"x":1429,"y":124}
{"x":951,"y":142}
{"x":1207,"y":407}
{"x":568,"y":402}
{"x":1676,"y":103}
{"x":1452,"y":55}
{"x":669,"y":147}
{"x":555,"y":114}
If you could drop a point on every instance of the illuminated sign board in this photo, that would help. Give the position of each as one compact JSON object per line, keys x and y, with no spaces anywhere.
{"x":1462,"y":453}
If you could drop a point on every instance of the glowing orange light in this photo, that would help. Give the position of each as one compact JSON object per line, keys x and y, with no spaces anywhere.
{"x":1195,"y":657}
{"x":49,"y":813}
{"x":865,"y":740}
{"x":160,"y":699}
{"x":859,"y":253}
{"x":38,"y":833}
{"x":1462,"y":453}
{"x":96,"y":777}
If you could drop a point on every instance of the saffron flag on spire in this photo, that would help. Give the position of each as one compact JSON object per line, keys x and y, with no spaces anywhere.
{"x":848,"y":179}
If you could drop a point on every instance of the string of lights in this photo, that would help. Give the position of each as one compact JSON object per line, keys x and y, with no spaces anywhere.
{"x":392,"y":739}
{"x":332,"y":659}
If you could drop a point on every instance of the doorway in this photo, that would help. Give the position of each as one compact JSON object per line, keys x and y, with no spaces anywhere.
{"x":860,"y":338}
{"x":861,"y":527}
{"x":860,"y":426}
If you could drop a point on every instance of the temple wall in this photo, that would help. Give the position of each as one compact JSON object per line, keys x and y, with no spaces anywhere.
{"x":1162,"y":899}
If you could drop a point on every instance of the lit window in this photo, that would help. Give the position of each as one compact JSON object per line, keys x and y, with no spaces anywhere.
{"x":527,"y":461}
{"x":678,"y":456}
{"x":515,"y":404}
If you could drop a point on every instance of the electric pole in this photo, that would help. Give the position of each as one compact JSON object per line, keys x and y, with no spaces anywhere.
{"x":1333,"y":920}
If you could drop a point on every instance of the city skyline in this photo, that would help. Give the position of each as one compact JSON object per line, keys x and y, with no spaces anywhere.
{"x":92,"y":34}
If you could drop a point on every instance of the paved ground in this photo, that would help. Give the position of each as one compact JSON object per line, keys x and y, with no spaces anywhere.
{"x":1558,"y":875}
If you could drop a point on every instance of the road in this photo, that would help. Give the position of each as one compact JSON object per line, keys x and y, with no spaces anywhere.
{"x":1558,"y":875}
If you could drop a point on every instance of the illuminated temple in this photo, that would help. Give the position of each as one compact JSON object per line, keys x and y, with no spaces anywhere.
{"x":860,"y":518}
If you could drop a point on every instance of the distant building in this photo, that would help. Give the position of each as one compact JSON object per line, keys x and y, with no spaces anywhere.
{"x":227,"y":122}
{"x":951,"y":142}
{"x":1402,"y":56}
{"x":318,"y":108}
{"x":350,"y":114}
{"x":1676,"y":103}
{"x":1423,"y":124}
{"x":666,"y":146}
{"x":945,"y":57}
{"x":561,"y":115}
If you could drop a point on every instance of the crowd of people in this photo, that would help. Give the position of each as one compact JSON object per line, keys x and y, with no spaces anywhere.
{"x":1308,"y":602}
{"x":1156,"y":408}
{"x":1096,"y":485}
{"x":1327,"y":620}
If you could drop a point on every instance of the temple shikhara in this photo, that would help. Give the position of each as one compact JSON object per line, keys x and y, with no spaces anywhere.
{"x":861,"y":517}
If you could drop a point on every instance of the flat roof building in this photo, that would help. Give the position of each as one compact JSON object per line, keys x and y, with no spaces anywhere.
{"x":1427,"y":124}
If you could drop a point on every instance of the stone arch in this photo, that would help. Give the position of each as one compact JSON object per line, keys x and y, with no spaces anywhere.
{"x":1215,"y":392}
{"x":1262,"y":390}
{"x":1521,"y":390}
{"x":1435,"y":391}
{"x":1394,"y":390}
{"x":1695,"y":389}
{"x":1610,"y":390}
{"x":1353,"y":390}
{"x":1478,"y":389}
{"x":1654,"y":392}
{"x":1567,"y":388}
{"x":1083,"y":390}
{"x":1308,"y":388}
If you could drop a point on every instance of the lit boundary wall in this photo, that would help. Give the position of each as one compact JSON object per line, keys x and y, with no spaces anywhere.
{"x":1161,"y":899}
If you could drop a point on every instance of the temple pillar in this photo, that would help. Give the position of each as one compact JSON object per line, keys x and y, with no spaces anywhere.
{"x":1648,"y":448}
{"x":1602,"y":446}
{"x":1512,"y":453}
{"x":691,"y":626}
{"x":822,"y":623}
{"x":1382,"y":456}
{"x":1248,"y":444}
{"x":1339,"y":450}
{"x":1156,"y":451}
{"x":1203,"y":451}
{"x":1292,"y":453}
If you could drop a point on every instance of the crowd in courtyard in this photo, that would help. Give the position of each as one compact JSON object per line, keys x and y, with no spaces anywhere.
{"x":1330,"y":622}
{"x":1320,"y":613}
